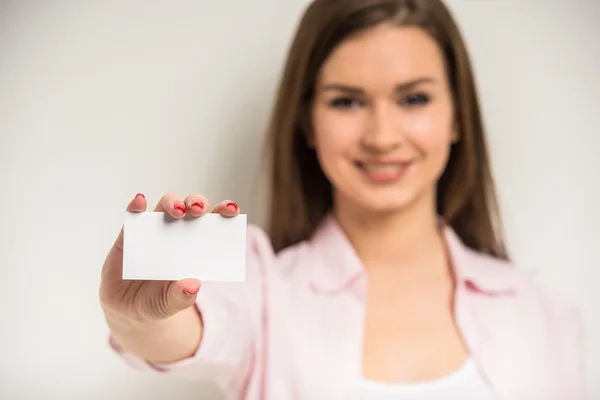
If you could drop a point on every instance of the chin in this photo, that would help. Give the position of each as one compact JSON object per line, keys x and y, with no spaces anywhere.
{"x":368,"y":198}
{"x":387,"y":207}
{"x":384,"y":203}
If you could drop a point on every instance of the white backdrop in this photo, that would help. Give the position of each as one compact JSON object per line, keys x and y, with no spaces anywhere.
{"x":101,"y":100}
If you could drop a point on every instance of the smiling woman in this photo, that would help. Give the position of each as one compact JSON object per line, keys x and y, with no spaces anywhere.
{"x":384,"y":135}
{"x":365,"y":77}
{"x":383,"y":274}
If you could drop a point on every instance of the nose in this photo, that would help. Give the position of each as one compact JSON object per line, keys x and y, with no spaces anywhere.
{"x":383,"y":131}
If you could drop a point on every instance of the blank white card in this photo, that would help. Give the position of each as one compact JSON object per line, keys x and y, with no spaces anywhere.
{"x":209,"y":248}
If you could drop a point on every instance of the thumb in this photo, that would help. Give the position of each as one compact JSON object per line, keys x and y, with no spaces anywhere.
{"x":182,"y":294}
{"x":112,"y":270}
{"x":137,"y":205}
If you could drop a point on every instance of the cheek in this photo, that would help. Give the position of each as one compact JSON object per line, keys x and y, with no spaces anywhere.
{"x":336,"y":137}
{"x":430,"y":132}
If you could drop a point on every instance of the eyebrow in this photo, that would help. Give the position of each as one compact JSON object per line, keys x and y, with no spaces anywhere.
{"x":403,"y":87}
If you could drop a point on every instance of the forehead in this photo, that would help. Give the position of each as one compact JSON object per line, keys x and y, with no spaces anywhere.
{"x":383,"y":54}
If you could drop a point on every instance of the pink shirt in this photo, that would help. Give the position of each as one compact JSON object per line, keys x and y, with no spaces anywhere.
{"x":293,"y":330}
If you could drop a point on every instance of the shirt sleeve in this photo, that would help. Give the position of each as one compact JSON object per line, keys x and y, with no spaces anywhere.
{"x":231,"y":349}
{"x":566,"y":330}
{"x":570,"y":323}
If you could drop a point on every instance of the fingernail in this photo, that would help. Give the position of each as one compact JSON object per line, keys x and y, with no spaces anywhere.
{"x":191,"y":292}
{"x":198,"y":204}
{"x":179,"y":206}
{"x":232,"y":204}
{"x":140,"y":195}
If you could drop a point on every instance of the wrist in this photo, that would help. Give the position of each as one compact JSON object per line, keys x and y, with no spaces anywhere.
{"x":157,"y":341}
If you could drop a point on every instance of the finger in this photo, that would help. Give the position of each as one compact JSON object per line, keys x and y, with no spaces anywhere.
{"x":196,"y":204}
{"x":137,"y":205}
{"x":189,"y":286}
{"x":171,"y":204}
{"x":227,"y":208}
{"x":182,"y":294}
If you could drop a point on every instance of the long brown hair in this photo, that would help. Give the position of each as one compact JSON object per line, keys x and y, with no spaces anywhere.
{"x":301,"y":195}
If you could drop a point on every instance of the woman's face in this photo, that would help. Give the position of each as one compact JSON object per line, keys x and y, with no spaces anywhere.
{"x":383,"y":119}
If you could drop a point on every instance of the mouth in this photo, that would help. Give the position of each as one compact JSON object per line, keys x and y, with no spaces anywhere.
{"x":384,"y":172}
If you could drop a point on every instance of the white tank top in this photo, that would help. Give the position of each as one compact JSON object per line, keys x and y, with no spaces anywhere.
{"x":464,"y":384}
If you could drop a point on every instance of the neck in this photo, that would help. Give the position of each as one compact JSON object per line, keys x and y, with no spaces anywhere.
{"x":409,"y":238}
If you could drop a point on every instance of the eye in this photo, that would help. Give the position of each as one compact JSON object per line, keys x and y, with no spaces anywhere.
{"x":416,"y":99}
{"x":344,"y":102}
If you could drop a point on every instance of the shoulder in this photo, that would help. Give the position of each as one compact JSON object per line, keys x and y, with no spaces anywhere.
{"x":533,"y":317}
{"x":524,"y":285}
{"x":260,"y":252}
{"x":325,"y":262}
{"x":538,"y":311}
{"x":258,"y":244}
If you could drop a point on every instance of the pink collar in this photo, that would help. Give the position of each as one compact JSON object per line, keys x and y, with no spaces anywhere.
{"x":337,"y":268}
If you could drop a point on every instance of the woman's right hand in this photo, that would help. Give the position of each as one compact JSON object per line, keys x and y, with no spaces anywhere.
{"x":136,"y":303}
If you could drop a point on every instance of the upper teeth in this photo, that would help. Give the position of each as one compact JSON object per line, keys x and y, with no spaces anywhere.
{"x":383,"y":167}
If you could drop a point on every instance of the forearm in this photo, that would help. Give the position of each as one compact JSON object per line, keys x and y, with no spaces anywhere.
{"x":171,"y":340}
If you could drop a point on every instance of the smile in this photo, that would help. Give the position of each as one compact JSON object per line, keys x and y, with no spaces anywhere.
{"x":384,"y":172}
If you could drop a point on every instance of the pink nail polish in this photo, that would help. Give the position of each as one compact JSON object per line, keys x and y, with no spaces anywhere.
{"x":179,"y":206}
{"x":232,"y":204}
{"x":140,"y":195}
{"x":198,"y":204}
{"x":191,"y":292}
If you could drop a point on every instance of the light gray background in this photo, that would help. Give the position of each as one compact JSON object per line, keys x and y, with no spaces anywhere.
{"x":101,"y":100}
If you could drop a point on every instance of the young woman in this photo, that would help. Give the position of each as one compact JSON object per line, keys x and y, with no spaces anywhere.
{"x":383,"y":274}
